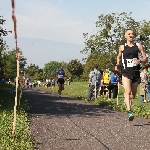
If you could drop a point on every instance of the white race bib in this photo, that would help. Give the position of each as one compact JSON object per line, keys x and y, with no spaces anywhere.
{"x":60,"y":76}
{"x":131,"y":63}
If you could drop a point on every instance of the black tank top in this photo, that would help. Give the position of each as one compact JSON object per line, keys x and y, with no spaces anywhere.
{"x":128,"y":54}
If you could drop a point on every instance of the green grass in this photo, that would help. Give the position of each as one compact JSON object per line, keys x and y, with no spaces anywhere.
{"x":22,"y":136}
{"x":79,"y":90}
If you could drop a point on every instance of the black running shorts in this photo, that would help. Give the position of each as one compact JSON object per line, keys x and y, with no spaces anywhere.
{"x":134,"y":76}
{"x":61,"y":81}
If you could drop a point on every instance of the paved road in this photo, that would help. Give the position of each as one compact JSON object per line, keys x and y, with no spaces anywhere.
{"x":70,"y":124}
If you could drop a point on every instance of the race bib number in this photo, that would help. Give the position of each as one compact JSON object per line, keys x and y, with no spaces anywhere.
{"x":131,"y":63}
{"x":60,"y":76}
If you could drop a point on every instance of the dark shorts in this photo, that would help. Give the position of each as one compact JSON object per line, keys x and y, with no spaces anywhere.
{"x":61,"y":81}
{"x":134,"y":76}
{"x":53,"y":84}
{"x":105,"y":87}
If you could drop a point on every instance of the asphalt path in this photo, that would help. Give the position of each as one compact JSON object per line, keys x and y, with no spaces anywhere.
{"x":70,"y":124}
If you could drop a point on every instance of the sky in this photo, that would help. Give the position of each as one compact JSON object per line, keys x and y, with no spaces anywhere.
{"x":52,"y":30}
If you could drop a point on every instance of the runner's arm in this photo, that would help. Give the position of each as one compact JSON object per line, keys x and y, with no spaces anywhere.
{"x":119,"y":56}
{"x":65,"y":74}
{"x":144,"y":58}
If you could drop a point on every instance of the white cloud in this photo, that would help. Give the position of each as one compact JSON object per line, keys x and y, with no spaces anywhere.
{"x":67,"y":31}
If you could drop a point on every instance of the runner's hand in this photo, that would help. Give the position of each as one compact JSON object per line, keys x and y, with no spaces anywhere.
{"x":136,"y":61}
{"x":116,"y":68}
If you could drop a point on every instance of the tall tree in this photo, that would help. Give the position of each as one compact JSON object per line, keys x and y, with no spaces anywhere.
{"x":102,"y":47}
{"x":32,"y":70}
{"x":75,"y":68}
{"x":10,"y":68}
{"x":51,"y":68}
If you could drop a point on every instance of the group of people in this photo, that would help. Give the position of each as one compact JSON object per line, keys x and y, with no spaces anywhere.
{"x":26,"y":82}
{"x":129,"y":60}
{"x":109,"y":84}
{"x":103,"y":83}
{"x":50,"y":82}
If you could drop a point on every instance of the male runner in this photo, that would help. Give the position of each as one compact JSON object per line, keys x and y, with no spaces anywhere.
{"x":129,"y":53}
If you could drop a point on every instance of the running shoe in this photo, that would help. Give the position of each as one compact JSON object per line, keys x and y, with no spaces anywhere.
{"x":130,"y":116}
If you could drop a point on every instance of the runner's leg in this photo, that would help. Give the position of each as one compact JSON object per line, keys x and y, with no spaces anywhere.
{"x":134,"y":89}
{"x":127,"y":87}
{"x":59,"y":88}
{"x":62,"y":87}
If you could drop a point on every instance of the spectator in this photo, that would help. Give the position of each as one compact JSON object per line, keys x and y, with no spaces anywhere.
{"x":113,"y":86}
{"x":94,"y":80}
{"x":144,"y":82}
{"x":53,"y":82}
{"x":39,"y":83}
{"x":106,"y":82}
{"x":27,"y":82}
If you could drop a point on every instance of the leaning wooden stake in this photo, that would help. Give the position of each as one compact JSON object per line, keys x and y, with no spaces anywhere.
{"x":16,"y":97}
{"x":95,"y":91}
{"x":118,"y":94}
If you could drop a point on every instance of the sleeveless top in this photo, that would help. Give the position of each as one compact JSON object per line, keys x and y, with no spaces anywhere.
{"x":128,"y":56}
{"x":61,"y":74}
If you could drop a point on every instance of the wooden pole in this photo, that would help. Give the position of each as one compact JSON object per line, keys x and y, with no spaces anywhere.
{"x":16,"y":97}
{"x":118,"y":94}
{"x":95,"y":92}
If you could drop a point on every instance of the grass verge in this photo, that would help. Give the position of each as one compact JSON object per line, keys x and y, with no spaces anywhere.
{"x":22,"y":139}
{"x":79,"y":90}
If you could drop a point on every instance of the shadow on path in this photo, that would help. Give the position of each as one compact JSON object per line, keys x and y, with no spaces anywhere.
{"x":46,"y":103}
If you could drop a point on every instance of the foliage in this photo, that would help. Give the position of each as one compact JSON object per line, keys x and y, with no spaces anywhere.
{"x":75,"y":68}
{"x":34,"y":72}
{"x":102,"y":47}
{"x":3,"y":31}
{"x":3,"y":46}
{"x":10,"y":68}
{"x":22,"y":139}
